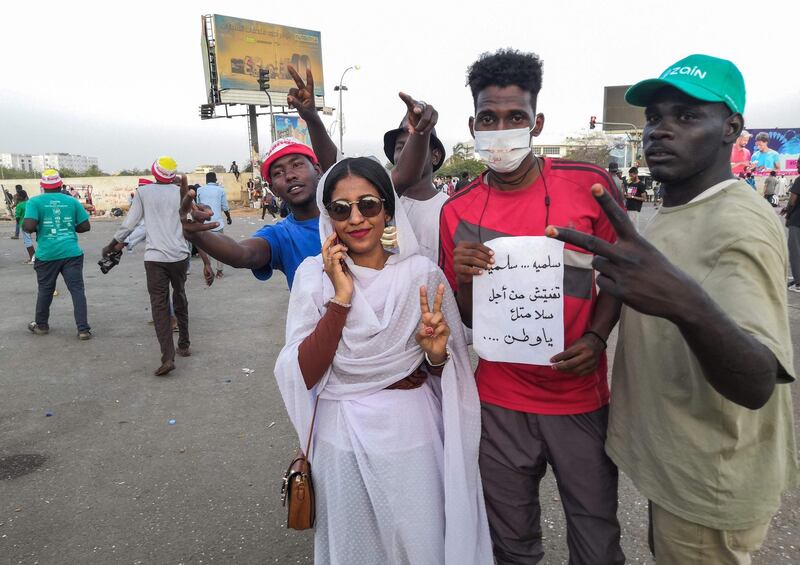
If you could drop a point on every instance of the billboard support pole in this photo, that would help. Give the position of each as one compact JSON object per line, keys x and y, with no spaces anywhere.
{"x":252,"y":131}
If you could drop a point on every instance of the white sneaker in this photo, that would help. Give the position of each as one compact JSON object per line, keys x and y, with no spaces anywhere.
{"x":794,"y":288}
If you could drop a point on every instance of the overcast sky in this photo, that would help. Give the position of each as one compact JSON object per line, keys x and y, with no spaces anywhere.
{"x":123,"y":82}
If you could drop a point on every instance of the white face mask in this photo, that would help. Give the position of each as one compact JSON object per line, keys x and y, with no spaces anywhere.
{"x":503,"y":150}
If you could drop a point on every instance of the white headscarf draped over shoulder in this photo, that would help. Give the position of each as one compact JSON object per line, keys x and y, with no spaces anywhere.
{"x":377,"y":349}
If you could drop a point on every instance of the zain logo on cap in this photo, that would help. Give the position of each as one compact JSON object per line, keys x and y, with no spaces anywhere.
{"x":690,"y":71}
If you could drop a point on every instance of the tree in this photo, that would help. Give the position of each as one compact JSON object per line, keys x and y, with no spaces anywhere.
{"x":591,"y":148}
{"x":134,"y":172}
{"x":94,"y":171}
{"x":454,"y":166}
{"x":9,"y":173}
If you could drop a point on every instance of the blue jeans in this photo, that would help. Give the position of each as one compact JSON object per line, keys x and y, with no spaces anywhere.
{"x":16,"y":229}
{"x":71,"y":269}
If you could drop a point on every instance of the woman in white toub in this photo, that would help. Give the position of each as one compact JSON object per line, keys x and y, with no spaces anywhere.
{"x":375,"y":334}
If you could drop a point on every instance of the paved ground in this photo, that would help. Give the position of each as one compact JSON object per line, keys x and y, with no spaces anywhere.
{"x":115,"y":482}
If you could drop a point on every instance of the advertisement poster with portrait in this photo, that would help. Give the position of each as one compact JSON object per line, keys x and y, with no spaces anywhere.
{"x":287,"y":125}
{"x":767,"y":150}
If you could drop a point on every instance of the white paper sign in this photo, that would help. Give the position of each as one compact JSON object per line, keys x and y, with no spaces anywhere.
{"x":518,"y":305}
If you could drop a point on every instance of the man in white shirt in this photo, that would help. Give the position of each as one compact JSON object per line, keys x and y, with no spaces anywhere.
{"x":417,"y":153}
{"x":166,"y":257}
{"x":213,"y":195}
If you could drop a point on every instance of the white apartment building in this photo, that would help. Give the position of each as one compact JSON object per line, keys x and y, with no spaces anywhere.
{"x":21,"y":161}
{"x":78,"y":163}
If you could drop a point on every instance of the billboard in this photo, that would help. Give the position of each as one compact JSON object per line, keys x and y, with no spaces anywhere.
{"x":292,"y":126}
{"x":617,"y":111}
{"x":241,"y":48}
{"x":779,"y":151}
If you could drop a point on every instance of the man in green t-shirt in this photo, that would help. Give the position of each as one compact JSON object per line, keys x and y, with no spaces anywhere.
{"x":57,"y":219}
{"x":700,"y":419}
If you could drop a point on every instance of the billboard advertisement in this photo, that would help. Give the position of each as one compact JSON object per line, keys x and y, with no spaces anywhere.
{"x":775,"y":149}
{"x":292,"y":126}
{"x":244,"y":47}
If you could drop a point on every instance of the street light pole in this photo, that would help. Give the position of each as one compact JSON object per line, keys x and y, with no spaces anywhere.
{"x":340,"y":88}
{"x":633,"y":141}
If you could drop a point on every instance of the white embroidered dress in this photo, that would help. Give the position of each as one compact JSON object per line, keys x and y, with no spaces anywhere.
{"x":395,"y":471}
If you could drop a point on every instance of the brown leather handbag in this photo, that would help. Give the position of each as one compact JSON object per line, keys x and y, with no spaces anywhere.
{"x":297,"y":489}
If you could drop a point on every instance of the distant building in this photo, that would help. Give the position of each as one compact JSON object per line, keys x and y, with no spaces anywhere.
{"x":203,"y":169}
{"x":20,"y":161}
{"x":77,"y":163}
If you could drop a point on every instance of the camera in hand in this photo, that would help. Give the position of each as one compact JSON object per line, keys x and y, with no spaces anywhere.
{"x":110,"y":261}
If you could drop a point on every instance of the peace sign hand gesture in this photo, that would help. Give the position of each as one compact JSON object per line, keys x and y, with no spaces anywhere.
{"x":421,"y":116}
{"x":631,"y":269}
{"x":433,"y":331}
{"x":302,"y":97}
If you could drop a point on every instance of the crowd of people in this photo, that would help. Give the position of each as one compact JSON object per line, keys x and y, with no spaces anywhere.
{"x":416,"y":458}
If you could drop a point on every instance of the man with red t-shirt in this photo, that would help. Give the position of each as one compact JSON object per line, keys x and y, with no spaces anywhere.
{"x":533,"y":415}
{"x":740,"y":155}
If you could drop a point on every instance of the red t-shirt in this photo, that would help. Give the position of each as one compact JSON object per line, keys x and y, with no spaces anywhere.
{"x":739,"y":155}
{"x":481,"y":213}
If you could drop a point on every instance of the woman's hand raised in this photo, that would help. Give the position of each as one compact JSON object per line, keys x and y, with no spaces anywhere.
{"x":333,"y":254}
{"x":433,"y":329}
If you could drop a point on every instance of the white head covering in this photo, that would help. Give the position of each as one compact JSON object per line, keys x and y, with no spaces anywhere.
{"x":377,"y":349}
{"x":407,"y":244}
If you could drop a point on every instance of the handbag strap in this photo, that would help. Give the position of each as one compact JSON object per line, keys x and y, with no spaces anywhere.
{"x":311,"y":429}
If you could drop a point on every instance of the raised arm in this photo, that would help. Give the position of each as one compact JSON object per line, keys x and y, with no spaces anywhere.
{"x":316,"y":352}
{"x":302,"y":99}
{"x":410,"y":166}
{"x":252,"y":253}
{"x":734,"y":363}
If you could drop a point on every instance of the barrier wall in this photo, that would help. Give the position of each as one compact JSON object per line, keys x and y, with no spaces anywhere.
{"x":113,"y":192}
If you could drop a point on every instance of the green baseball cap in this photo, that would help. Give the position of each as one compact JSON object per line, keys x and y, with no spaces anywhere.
{"x":700,"y":76}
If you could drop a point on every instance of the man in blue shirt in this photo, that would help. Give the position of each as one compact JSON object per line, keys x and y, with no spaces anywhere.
{"x":292,"y":169}
{"x":212,"y":195}
{"x":765,"y":159}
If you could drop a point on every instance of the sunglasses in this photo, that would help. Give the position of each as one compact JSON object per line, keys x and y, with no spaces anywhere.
{"x":368,"y":206}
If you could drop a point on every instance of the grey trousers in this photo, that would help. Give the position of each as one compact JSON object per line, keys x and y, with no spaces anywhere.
{"x":794,"y":253}
{"x":516,"y":448}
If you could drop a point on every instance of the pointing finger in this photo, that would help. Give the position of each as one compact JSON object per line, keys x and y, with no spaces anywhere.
{"x":410,"y":102}
{"x":616,"y":215}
